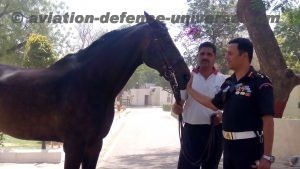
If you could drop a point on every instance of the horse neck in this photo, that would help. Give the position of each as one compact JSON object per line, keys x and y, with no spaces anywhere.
{"x":111,"y":69}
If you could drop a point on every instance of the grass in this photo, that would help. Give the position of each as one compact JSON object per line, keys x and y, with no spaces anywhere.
{"x":12,"y":143}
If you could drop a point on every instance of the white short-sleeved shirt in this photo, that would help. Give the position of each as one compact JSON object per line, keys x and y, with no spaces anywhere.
{"x":194,"y":112}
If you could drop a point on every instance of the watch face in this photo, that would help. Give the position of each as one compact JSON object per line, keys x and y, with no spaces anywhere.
{"x":272,"y":159}
{"x":269,"y":158}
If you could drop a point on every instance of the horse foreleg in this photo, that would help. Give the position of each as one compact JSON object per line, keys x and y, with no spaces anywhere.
{"x":91,"y":154}
{"x":73,"y":155}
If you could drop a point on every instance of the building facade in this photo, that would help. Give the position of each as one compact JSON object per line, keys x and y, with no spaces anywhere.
{"x":148,"y":95}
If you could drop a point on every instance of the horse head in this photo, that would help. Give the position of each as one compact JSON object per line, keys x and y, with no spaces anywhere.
{"x":162,"y":55}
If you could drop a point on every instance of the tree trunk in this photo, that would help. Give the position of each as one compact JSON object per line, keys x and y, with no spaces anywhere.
{"x":43,"y":145}
{"x":268,"y":52}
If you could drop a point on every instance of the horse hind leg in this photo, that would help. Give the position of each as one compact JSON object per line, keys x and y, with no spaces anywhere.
{"x":91,"y":154}
{"x":73,"y":155}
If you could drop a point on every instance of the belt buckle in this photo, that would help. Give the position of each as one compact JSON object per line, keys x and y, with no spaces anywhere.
{"x":228,"y":135}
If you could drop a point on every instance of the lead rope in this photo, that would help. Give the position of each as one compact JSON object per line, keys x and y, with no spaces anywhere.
{"x":208,"y":148}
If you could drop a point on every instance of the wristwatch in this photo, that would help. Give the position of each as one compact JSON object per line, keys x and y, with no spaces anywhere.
{"x":269,"y":158}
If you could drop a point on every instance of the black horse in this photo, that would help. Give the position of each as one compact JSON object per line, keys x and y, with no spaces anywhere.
{"x":72,"y":101}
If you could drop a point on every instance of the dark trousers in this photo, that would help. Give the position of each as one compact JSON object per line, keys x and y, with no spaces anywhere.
{"x":241,"y":154}
{"x":193,"y":152}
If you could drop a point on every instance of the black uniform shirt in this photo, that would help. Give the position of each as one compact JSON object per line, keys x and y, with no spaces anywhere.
{"x":244,"y":102}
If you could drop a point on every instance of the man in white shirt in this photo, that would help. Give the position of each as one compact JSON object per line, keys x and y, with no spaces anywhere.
{"x":201,"y":141}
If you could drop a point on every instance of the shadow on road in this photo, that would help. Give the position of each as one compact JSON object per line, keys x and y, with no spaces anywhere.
{"x":158,"y":159}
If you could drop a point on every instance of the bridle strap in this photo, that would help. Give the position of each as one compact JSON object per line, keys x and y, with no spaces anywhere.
{"x":169,"y":72}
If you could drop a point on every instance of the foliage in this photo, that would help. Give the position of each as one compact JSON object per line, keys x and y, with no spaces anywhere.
{"x":1,"y":139}
{"x":279,"y":5}
{"x":167,"y":107}
{"x":13,"y":35}
{"x":38,"y":52}
{"x":11,"y":142}
{"x":287,"y":33}
{"x":218,"y":30}
{"x":292,"y":63}
{"x":145,"y":74}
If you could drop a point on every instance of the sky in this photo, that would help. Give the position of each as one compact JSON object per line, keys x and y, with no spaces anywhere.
{"x":134,"y":7}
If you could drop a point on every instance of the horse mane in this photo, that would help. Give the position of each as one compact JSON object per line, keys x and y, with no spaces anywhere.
{"x":83,"y":55}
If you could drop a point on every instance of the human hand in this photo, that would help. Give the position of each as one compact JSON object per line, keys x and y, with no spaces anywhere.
{"x":177,"y":109}
{"x":218,"y":118}
{"x":262,"y":164}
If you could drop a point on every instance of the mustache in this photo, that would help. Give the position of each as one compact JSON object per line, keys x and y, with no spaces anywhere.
{"x":204,"y":60}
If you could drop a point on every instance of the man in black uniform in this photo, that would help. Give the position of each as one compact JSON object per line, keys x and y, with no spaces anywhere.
{"x":248,"y":104}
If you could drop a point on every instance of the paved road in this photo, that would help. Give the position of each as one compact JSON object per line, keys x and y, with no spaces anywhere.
{"x":148,"y":138}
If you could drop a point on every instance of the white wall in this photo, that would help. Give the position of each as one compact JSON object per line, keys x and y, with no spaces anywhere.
{"x":292,"y":109}
{"x":157,"y":96}
{"x":164,"y":98}
{"x":138,"y":98}
{"x":286,"y":138}
{"x":30,"y":156}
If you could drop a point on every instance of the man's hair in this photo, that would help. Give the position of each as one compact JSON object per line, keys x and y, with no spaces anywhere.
{"x":244,"y":45}
{"x":208,"y":45}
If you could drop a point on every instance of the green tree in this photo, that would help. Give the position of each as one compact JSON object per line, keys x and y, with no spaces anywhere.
{"x":1,"y":139}
{"x":13,"y":35}
{"x":276,"y":5}
{"x":38,"y":52}
{"x":287,"y":33}
{"x":268,"y":52}
{"x":145,"y":74}
{"x":217,"y":23}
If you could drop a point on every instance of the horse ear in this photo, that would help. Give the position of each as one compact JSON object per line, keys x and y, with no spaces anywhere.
{"x":150,"y":19}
